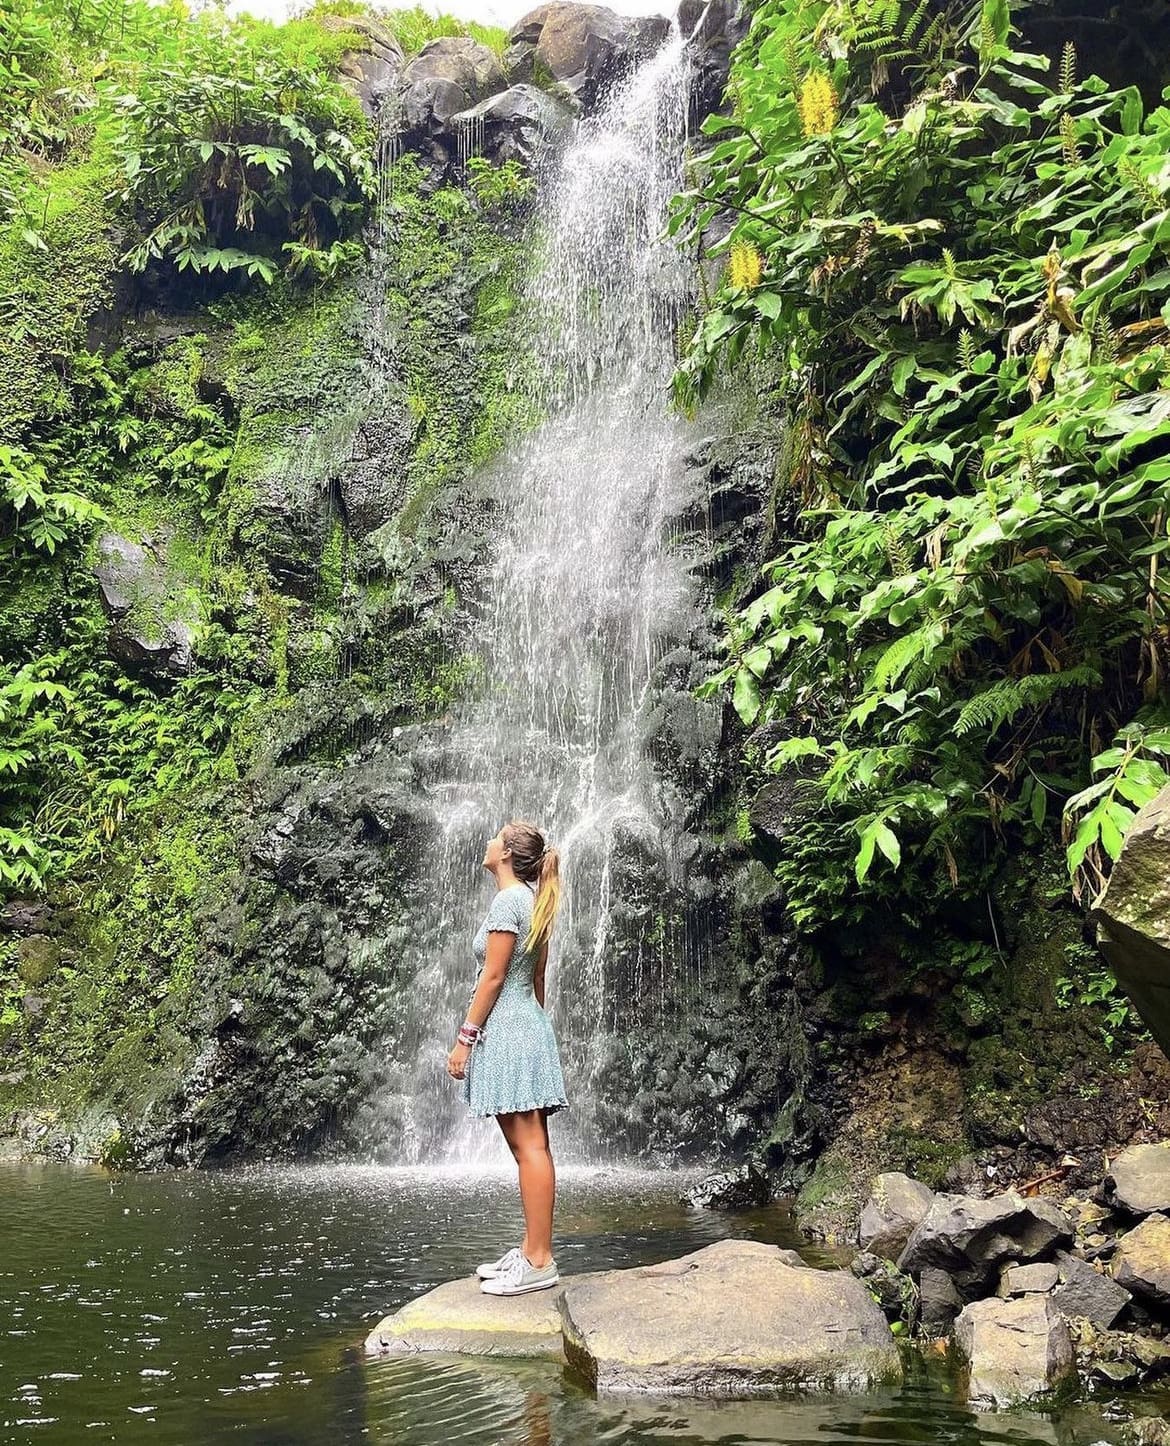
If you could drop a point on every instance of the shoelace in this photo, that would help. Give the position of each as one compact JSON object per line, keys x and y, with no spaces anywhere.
{"x":509,"y":1260}
{"x":515,"y":1271}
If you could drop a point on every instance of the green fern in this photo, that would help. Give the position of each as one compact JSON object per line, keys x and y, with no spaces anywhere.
{"x":994,"y":706}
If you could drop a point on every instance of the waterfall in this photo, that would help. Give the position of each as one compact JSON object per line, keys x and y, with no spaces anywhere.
{"x":587,"y":598}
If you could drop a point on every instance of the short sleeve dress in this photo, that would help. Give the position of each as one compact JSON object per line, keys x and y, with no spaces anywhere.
{"x":515,"y":1064}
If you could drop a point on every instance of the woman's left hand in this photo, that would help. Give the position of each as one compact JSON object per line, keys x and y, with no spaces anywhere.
{"x":457,"y":1060}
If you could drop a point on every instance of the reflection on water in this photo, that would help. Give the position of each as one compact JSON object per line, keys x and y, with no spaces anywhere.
{"x":211,"y":1308}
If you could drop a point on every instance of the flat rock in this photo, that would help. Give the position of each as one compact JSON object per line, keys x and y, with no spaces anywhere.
{"x":1142,"y":1261}
{"x":1013,"y":1350}
{"x":458,"y":1317}
{"x":737,"y":1318}
{"x":895,"y":1206}
{"x":1139,"y":1179}
{"x":1041,"y":1276}
{"x":971,"y":1238}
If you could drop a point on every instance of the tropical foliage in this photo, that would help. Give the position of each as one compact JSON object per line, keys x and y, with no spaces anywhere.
{"x":953,"y":265}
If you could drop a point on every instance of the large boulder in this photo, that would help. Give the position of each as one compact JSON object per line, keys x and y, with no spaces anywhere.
{"x":1133,"y":916}
{"x":895,"y":1206}
{"x":519,"y":124}
{"x":582,"y":48}
{"x":1013,"y":1350}
{"x":971,"y":1239}
{"x":737,"y":1318}
{"x":1138,"y":1180}
{"x":737,"y":1189}
{"x":448,"y":75}
{"x":1142,"y":1262}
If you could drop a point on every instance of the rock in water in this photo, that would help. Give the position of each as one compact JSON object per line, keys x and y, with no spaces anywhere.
{"x":737,"y":1318}
{"x":459,"y":1317}
{"x":895,"y":1206}
{"x":1142,"y":1262}
{"x":1013,"y":1349}
{"x":1139,"y":1179}
{"x":737,"y":1189}
{"x":1133,"y":916}
{"x":970,"y":1239}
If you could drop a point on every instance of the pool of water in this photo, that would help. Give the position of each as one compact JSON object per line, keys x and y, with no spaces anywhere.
{"x":231,"y":1307}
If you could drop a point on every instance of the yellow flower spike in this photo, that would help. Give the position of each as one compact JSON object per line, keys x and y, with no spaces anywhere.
{"x":746,"y":266}
{"x":818,"y":104}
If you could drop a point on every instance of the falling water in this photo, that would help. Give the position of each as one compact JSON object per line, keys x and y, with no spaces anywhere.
{"x":586,"y":598}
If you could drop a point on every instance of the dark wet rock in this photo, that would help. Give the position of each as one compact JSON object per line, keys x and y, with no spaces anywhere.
{"x":1133,"y":916}
{"x":1013,"y":1350}
{"x":374,"y":482}
{"x":152,"y":615}
{"x":1084,"y":1291}
{"x":581,"y":48}
{"x":895,"y":1206}
{"x":971,"y":1239}
{"x":25,"y":916}
{"x":448,"y":75}
{"x":521,"y":124}
{"x":1142,"y":1261}
{"x":679,"y":1328}
{"x":939,"y":1301}
{"x":1138,"y":1179}
{"x":372,"y":71}
{"x":713,"y":30}
{"x":737,"y":1189}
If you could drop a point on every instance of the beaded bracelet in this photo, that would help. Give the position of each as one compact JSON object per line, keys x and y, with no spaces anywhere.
{"x":469,"y":1033}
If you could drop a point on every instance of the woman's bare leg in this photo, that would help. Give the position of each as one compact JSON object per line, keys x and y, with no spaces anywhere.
{"x":526,"y":1132}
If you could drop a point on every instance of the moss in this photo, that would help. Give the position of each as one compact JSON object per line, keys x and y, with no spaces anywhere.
{"x":53,"y":290}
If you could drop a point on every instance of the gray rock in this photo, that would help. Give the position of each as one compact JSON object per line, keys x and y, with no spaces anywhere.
{"x":1040,"y":1276}
{"x":680,"y":1328}
{"x":895,"y":1206}
{"x":1138,"y":1180}
{"x":1013,"y":1350}
{"x":371,"y":72}
{"x":152,"y":616}
{"x":1151,"y":1431}
{"x":1133,"y":916}
{"x":1142,"y":1261}
{"x":736,"y":1189}
{"x":1083,"y":1291}
{"x":971,"y":1239}
{"x":893,"y":1290}
{"x":939,"y":1302}
{"x":519,"y":124}
{"x":458,"y":1317}
{"x":582,"y":47}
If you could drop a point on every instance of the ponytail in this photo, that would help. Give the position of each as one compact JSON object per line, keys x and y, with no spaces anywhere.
{"x":548,"y":899}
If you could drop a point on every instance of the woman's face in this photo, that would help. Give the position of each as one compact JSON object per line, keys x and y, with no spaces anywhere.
{"x":495,"y":851}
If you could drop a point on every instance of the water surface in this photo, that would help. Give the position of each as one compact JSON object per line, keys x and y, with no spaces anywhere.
{"x":231,"y":1307}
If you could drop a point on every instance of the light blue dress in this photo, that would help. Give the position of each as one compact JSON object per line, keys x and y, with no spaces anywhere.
{"x":515,"y":1064}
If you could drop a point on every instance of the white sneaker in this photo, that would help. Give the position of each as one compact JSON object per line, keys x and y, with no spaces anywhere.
{"x":491,"y":1268}
{"x":521,"y":1276}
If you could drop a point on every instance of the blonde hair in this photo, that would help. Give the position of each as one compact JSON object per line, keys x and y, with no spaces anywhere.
{"x":537,"y":864}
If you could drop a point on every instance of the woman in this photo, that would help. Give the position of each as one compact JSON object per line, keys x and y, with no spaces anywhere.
{"x":507,"y":1052}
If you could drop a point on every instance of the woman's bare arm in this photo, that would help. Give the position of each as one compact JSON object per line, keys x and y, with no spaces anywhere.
{"x":500,"y":944}
{"x":538,"y":974}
